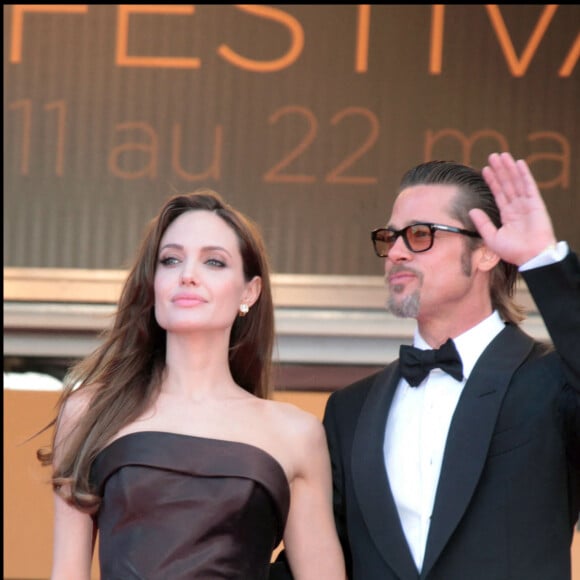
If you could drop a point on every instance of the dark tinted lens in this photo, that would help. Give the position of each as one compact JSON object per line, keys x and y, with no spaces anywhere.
{"x":419,"y":237}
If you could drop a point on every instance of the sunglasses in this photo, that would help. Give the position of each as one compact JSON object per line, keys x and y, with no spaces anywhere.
{"x":417,"y":237}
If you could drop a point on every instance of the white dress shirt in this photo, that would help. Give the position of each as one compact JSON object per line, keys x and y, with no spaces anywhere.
{"x":416,"y":433}
{"x":419,"y":420}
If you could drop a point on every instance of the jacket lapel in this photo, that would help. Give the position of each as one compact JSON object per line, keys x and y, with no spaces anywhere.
{"x":370,"y":480}
{"x":470,"y":434}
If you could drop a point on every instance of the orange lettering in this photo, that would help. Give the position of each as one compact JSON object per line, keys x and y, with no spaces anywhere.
{"x":563,"y":158}
{"x":362,"y":38}
{"x":26,"y":106}
{"x":151,"y":149}
{"x":60,"y":108}
{"x":436,"y":52}
{"x":121,"y":56}
{"x":18,"y":11}
{"x":296,"y":46}
{"x":467,"y":142}
{"x":214,"y":169}
{"x":519,"y":67}
{"x":571,"y":60}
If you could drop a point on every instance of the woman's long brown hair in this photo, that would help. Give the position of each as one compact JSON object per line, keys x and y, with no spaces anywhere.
{"x":123,"y":375}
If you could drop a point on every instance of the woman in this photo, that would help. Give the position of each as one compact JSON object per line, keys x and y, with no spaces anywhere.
{"x":165,"y":441}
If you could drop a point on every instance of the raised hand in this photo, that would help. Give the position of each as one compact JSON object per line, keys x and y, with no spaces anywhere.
{"x":526,"y":228}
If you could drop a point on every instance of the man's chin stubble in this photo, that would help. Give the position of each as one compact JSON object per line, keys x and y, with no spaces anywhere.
{"x":407,"y":307}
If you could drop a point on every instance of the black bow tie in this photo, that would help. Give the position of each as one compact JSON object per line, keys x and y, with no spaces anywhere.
{"x":416,"y":363}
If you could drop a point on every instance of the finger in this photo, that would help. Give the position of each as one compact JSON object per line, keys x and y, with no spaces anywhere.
{"x":490,"y":176}
{"x":515,"y":183}
{"x":506,"y":173}
{"x":483,"y":224}
{"x":530,"y":186}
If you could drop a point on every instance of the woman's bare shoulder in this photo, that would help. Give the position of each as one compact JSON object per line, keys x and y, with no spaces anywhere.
{"x":294,"y":422}
{"x":75,"y":406}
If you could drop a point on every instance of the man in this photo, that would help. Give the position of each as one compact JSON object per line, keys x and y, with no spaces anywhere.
{"x":474,"y":477}
{"x":472,"y":472}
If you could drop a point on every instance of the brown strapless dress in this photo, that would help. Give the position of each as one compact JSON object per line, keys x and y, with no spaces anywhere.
{"x":178,"y":507}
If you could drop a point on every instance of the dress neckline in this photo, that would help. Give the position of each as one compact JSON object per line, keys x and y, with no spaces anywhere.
{"x":215,"y":440}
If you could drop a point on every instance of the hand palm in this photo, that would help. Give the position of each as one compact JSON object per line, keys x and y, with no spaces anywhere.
{"x":526,"y":227}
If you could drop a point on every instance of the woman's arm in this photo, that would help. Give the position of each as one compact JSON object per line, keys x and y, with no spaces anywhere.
{"x":310,"y":538}
{"x":74,"y":532}
{"x":73,"y":542}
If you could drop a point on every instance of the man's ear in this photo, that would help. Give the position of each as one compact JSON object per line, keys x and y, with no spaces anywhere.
{"x":252,"y":291}
{"x":486,"y":259}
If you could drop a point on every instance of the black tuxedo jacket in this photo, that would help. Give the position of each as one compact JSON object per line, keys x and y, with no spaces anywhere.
{"x":509,"y":491}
